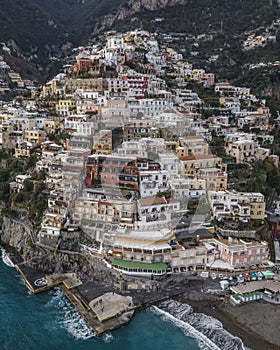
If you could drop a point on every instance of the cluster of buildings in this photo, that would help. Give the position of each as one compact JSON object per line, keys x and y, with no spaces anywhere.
{"x":137,"y":153}
{"x":9,"y":79}
{"x":262,"y":39}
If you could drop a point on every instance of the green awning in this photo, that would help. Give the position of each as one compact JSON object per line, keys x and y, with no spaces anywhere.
{"x":138,"y":265}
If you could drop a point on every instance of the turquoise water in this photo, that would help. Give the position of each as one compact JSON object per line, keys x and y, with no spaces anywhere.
{"x":48,"y":322}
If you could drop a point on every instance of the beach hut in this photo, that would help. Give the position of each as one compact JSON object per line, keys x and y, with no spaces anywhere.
{"x":268,"y":275}
{"x":259,"y":275}
{"x":245,"y":298}
{"x":240,"y":279}
{"x":247,"y":277}
{"x":253,"y":276}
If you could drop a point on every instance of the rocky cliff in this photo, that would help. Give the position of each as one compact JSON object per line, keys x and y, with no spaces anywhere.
{"x":131,"y":8}
{"x":135,"y":6}
{"x":16,"y":237}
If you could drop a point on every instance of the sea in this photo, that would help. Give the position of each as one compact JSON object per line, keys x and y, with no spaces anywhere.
{"x":48,"y":321}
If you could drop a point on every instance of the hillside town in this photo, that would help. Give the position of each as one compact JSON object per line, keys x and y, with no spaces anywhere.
{"x":132,"y":156}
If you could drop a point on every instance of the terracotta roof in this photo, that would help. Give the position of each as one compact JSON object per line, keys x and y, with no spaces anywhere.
{"x":208,"y":156}
{"x":152,"y":201}
{"x":194,"y":138}
{"x":223,"y":84}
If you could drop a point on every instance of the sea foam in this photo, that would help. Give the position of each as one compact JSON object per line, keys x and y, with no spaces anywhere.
{"x":204,"y":342}
{"x":6,"y":259}
{"x":208,"y":331}
{"x":67,"y":316}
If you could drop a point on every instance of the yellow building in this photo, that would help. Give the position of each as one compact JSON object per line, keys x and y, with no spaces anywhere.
{"x":257,"y":206}
{"x":66,"y":107}
{"x":190,"y":259}
{"x":191,"y":146}
{"x":242,"y":206}
{"x":35,"y":136}
{"x":216,"y":180}
{"x":102,"y":142}
{"x":92,"y":210}
{"x":191,"y":164}
{"x":93,"y":84}
{"x":23,"y":150}
{"x":51,"y":125}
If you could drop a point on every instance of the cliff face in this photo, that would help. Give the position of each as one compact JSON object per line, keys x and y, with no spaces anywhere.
{"x":15,"y":235}
{"x":132,"y":7}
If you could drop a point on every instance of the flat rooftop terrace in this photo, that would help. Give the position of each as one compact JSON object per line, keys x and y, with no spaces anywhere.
{"x":249,"y":287}
{"x":110,"y":305}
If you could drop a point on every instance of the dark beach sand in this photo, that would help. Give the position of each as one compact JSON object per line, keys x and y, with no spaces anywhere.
{"x":256,"y":323}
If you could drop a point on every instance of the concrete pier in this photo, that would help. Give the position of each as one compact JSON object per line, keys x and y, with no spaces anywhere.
{"x":99,"y":325}
{"x":102,"y":306}
{"x":38,"y":282}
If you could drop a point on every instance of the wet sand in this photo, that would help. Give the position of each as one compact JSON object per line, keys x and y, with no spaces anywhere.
{"x":257,"y":323}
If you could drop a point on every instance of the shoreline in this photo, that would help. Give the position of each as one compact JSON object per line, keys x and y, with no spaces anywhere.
{"x":199,"y":301}
{"x":221,"y":311}
{"x":82,"y":295}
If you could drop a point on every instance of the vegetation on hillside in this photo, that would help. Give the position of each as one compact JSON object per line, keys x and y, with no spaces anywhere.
{"x":31,"y":199}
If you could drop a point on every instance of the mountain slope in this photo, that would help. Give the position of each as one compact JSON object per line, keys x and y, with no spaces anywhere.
{"x":40,"y":29}
{"x":24,"y":23}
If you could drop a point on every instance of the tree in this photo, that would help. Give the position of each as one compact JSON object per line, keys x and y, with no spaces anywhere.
{"x":246,"y":128}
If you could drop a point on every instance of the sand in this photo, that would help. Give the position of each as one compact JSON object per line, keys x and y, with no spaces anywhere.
{"x":259,"y":317}
{"x":256,"y":323}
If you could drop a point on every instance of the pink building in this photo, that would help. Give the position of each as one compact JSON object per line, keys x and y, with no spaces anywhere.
{"x":208,"y":79}
{"x":238,"y":253}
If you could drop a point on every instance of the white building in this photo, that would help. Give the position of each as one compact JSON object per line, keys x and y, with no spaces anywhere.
{"x":153,"y":182}
{"x":148,"y":107}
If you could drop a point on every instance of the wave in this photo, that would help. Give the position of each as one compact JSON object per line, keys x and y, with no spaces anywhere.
{"x":67,"y":316}
{"x":206,"y":329}
{"x":76,"y":326}
{"x":204,"y":342}
{"x":107,"y":337}
{"x":6,"y":259}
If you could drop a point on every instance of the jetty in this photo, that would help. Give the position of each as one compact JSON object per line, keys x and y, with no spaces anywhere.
{"x":37,"y":281}
{"x":104,"y":308}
